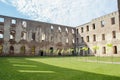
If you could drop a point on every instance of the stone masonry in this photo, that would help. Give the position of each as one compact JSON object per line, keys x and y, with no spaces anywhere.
{"x":22,"y":37}
{"x":27,"y":37}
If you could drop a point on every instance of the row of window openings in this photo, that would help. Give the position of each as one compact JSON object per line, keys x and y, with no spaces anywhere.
{"x":94,"y":37}
{"x":12,"y":35}
{"x":59,"y":28}
{"x":13,"y":22}
{"x":104,"y":50}
{"x":102,"y":25}
{"x":23,"y":37}
{"x":24,"y":24}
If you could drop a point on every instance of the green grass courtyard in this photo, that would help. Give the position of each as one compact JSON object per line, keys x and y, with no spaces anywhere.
{"x":59,"y":68}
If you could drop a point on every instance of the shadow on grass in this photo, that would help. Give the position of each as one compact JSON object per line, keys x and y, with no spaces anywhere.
{"x":19,"y":69}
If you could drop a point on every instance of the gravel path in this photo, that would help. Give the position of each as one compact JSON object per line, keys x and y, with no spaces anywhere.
{"x":102,"y":61}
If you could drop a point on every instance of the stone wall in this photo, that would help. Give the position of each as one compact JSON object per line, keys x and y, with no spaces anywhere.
{"x":103,"y":31}
{"x":27,"y":37}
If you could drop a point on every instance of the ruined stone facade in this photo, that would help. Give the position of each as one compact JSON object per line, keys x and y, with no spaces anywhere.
{"x":27,"y":37}
{"x":99,"y":37}
{"x":103,"y":33}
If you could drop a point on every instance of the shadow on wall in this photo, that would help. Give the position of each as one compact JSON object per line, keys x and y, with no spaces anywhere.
{"x":82,"y":49}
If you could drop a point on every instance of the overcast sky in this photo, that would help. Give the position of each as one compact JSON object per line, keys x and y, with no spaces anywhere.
{"x":64,"y":12}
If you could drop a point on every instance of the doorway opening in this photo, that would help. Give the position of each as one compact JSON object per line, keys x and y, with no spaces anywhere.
{"x":22,"y":50}
{"x":11,"y":50}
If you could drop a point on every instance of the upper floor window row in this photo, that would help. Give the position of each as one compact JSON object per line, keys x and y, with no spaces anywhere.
{"x":88,"y":28}
{"x":101,"y":22}
{"x":66,"y":29}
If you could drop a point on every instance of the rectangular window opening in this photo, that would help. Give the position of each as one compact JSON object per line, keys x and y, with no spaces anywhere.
{"x":33,"y":36}
{"x":113,"y":20}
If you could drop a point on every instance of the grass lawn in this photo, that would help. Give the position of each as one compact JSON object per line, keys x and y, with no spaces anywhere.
{"x":57,"y":68}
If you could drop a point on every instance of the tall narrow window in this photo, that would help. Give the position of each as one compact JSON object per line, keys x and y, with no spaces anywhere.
{"x":77,"y":31}
{"x":87,"y":28}
{"x":102,"y":23}
{"x":77,"y":40}
{"x":73,"y":31}
{"x":82,"y":30}
{"x":115,"y":49}
{"x":114,"y":34}
{"x":73,"y":41}
{"x":113,"y":20}
{"x":66,"y":30}
{"x":82,"y":40}
{"x":33,"y":36}
{"x":94,"y":37}
{"x":24,"y":24}
{"x":103,"y":36}
{"x":43,"y":37}
{"x":59,"y":28}
{"x":93,"y":26}
{"x":66,"y":40}
{"x":51,"y":29}
{"x":87,"y":38}
{"x":104,"y":50}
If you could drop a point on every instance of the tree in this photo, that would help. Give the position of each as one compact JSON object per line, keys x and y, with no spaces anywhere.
{"x":109,"y":46}
{"x":95,"y":48}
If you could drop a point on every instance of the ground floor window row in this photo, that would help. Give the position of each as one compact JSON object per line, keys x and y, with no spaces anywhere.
{"x":94,"y":37}
{"x":111,"y":50}
{"x":41,"y":52}
{"x":114,"y":50}
{"x":95,"y":50}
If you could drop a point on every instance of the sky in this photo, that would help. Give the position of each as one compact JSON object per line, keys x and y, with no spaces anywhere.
{"x":64,"y":12}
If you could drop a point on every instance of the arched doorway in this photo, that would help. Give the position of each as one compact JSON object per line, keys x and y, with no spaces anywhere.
{"x":11,"y":50}
{"x":33,"y":50}
{"x":41,"y":52}
{"x":22,"y":50}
